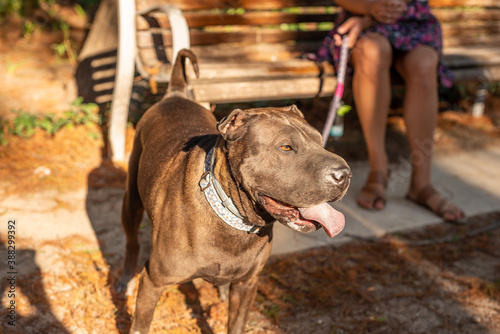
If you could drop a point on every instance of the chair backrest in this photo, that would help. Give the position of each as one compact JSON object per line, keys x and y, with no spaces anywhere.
{"x":261,"y":29}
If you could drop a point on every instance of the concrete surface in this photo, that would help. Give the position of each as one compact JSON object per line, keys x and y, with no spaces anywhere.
{"x":469,"y":179}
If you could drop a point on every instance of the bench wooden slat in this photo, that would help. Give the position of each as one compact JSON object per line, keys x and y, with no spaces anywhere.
{"x":464,"y":3}
{"x":265,"y":89}
{"x":144,"y":39}
{"x":261,"y":51}
{"x":253,"y":69}
{"x":280,"y":4}
{"x":250,"y":19}
{"x":465,"y":29}
{"x":451,"y":16}
{"x":296,"y":88}
{"x":460,"y":57}
{"x":196,"y":20}
{"x":226,"y":53}
{"x":247,"y":4}
{"x":471,"y":40}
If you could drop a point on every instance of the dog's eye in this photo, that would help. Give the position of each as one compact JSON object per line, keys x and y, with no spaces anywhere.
{"x":286,"y":147}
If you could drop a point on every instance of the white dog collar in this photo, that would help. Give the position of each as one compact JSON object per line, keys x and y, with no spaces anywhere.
{"x":219,"y":201}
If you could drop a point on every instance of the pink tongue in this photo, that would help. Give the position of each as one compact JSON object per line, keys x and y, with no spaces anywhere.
{"x":332,"y":220}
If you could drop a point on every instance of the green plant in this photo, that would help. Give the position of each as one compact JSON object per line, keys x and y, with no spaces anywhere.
{"x":80,"y":11}
{"x":50,"y":124}
{"x":28,"y":28}
{"x":23,"y":8}
{"x":492,"y":289}
{"x":66,"y":47}
{"x":3,"y":127}
{"x":19,"y":7}
{"x":84,"y":112}
{"x":271,"y":311}
{"x":25,"y":124}
{"x":12,"y":66}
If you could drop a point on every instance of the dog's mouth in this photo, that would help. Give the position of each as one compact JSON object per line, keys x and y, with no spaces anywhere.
{"x":305,"y":219}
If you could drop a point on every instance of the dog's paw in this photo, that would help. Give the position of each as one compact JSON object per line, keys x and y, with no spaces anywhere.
{"x":120,"y":287}
{"x":125,"y":284}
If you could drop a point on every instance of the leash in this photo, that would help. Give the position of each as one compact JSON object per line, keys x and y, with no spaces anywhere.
{"x":339,"y":90}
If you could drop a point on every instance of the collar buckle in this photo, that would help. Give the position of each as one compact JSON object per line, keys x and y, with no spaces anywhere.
{"x":205,"y":181}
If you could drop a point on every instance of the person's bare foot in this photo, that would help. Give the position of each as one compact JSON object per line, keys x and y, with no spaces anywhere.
{"x":429,"y":198}
{"x":372,"y":196}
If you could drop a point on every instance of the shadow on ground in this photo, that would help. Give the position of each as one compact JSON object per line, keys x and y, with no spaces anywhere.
{"x":26,"y":289}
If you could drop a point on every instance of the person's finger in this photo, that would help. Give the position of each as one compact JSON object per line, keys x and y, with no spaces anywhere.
{"x":346,"y":26}
{"x":352,"y":28}
{"x":338,"y":39}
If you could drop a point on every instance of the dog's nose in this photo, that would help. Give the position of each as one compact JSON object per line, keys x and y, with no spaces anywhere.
{"x":341,"y":175}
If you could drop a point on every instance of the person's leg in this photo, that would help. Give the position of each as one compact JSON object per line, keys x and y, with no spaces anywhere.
{"x":371,"y":58}
{"x":419,"y":70}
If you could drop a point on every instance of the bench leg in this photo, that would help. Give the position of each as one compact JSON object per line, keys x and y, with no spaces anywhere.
{"x":205,"y":105}
{"x":190,"y":96}
{"x":481,"y":94}
{"x":123,"y":79}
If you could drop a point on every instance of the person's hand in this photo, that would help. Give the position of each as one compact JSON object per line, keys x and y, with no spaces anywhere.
{"x":353,"y":26}
{"x":387,"y":11}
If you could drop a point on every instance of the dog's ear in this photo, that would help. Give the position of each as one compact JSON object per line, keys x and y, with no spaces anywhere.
{"x":294,"y":110}
{"x":234,"y":125}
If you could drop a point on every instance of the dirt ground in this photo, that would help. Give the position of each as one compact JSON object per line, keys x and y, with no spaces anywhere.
{"x":442,"y":279}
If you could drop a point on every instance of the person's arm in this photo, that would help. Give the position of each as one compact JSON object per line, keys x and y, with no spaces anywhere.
{"x":360,"y":7}
{"x":383,"y":11}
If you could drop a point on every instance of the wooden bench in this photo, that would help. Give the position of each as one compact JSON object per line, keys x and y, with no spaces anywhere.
{"x":254,"y":50}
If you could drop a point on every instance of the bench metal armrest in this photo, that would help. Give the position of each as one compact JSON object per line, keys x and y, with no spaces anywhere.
{"x":180,"y":36}
{"x":127,"y":50}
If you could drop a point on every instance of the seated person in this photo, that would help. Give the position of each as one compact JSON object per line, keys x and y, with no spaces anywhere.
{"x":403,"y":35}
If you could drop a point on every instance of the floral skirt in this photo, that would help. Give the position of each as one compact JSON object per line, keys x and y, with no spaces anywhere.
{"x":416,"y":27}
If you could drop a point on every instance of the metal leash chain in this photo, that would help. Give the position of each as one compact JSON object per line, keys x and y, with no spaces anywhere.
{"x":339,"y":90}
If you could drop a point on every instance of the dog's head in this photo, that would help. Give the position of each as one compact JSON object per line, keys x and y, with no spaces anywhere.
{"x":278,"y":159}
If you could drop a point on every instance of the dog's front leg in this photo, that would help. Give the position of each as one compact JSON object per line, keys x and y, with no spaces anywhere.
{"x":148,"y":295}
{"x":241,"y":297}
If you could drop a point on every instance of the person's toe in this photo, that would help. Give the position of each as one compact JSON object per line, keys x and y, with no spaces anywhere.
{"x":364,"y":203}
{"x":379,"y":204}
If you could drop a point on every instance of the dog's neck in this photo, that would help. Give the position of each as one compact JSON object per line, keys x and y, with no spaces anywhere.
{"x":248,"y":212}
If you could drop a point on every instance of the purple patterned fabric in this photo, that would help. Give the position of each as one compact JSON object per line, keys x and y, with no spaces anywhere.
{"x":416,"y":27}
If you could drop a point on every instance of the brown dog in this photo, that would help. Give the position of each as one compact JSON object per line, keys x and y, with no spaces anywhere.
{"x":270,"y":164}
